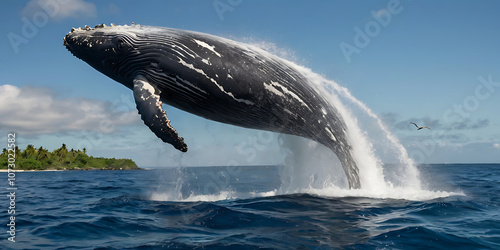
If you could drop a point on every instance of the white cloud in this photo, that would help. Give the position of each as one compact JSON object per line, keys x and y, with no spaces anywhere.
{"x":60,"y":9}
{"x":37,"y":111}
{"x":496,"y":145}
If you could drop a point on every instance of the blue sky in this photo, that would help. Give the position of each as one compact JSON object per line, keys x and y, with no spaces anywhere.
{"x":436,"y":63}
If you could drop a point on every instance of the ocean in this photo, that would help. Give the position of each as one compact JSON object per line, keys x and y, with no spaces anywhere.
{"x":246,"y":207}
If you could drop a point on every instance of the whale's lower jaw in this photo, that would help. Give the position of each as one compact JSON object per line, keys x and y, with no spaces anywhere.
{"x":214,"y":78}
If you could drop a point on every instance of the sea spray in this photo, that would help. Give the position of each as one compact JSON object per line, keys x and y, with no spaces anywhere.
{"x":377,"y":179}
{"x":375,"y":175}
{"x":214,"y":183}
{"x":408,"y":168}
{"x":308,"y":164}
{"x":171,"y":186}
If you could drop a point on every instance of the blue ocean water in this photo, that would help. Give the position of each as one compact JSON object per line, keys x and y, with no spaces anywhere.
{"x":242,"y":208}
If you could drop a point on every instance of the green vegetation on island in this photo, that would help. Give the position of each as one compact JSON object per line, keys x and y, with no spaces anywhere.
{"x":61,"y":159}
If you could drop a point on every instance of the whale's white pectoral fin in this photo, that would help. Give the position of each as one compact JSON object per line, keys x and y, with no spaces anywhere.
{"x":149,"y":106}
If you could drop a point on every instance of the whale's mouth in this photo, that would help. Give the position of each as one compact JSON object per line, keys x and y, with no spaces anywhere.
{"x":100,"y":36}
{"x":73,"y":36}
{"x":92,"y":45}
{"x":70,"y":39}
{"x":85,"y":37}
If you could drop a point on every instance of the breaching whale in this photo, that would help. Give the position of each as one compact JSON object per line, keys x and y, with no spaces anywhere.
{"x":212,"y":77}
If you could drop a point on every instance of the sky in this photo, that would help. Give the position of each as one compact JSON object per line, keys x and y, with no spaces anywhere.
{"x":436,"y":63}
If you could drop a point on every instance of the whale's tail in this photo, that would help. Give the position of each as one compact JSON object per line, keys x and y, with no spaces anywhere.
{"x":349,"y":165}
{"x":339,"y":144}
{"x":331,"y":131}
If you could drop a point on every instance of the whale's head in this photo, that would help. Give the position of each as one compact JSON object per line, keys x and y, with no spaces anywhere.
{"x":109,"y":49}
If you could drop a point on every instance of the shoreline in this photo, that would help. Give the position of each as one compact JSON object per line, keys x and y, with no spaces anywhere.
{"x":57,"y":170}
{"x":22,"y":170}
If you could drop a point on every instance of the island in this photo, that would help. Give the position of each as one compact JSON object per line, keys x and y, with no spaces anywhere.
{"x":61,"y":159}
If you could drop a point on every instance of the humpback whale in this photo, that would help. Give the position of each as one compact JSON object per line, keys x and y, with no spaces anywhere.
{"x":212,"y":77}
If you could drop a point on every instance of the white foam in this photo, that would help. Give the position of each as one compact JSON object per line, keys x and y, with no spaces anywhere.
{"x":170,"y":196}
{"x":401,"y":193}
{"x":222,"y":195}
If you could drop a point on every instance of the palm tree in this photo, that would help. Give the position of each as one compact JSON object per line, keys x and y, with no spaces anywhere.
{"x":61,"y":152}
{"x":17,"y":152}
{"x":29,"y":151}
{"x":43,"y":154}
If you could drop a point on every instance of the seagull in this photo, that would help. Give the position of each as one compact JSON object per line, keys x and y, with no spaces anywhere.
{"x":419,"y":128}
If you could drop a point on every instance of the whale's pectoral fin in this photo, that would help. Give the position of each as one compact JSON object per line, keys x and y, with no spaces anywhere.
{"x":149,"y":105}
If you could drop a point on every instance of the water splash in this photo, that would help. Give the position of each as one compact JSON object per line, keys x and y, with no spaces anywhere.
{"x":412,"y":176}
{"x":373,"y":175}
{"x":313,"y":168}
{"x":378,"y":180}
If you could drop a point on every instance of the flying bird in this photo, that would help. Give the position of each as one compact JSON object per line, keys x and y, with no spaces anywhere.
{"x":419,"y":128}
